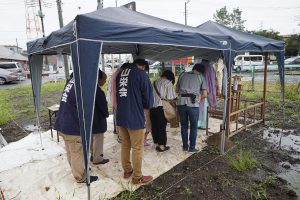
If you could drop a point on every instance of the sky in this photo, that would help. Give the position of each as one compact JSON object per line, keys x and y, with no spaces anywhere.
{"x":280,"y":15}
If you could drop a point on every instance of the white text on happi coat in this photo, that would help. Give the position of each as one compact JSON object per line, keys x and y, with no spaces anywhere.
{"x":68,"y":87}
{"x":124,"y":82}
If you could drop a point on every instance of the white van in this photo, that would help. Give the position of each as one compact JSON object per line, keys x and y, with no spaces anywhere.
{"x":246,"y":62}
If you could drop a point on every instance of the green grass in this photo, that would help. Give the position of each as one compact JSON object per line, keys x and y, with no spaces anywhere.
{"x":274,"y":100}
{"x":129,"y":193}
{"x":273,"y":91}
{"x":242,"y":160}
{"x":17,"y":102}
{"x":4,"y":108}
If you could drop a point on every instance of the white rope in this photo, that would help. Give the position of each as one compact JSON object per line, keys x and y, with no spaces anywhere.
{"x":209,"y":162}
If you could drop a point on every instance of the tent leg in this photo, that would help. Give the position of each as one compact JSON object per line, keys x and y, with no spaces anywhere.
{"x":89,"y":191}
{"x":39,"y":129}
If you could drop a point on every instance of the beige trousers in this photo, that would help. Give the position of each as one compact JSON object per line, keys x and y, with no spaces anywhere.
{"x":97,"y":147}
{"x":75,"y":155}
{"x":132,"y":139}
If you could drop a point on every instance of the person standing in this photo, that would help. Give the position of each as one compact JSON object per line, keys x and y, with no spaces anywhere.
{"x":192,"y":89}
{"x":113,"y":98}
{"x":143,"y":65}
{"x":134,"y":94}
{"x":99,"y":122}
{"x":164,"y":89}
{"x":211,"y":99}
{"x":67,"y":124}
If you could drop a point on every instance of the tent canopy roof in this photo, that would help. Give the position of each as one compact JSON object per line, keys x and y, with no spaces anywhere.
{"x":125,"y":31}
{"x":241,"y":41}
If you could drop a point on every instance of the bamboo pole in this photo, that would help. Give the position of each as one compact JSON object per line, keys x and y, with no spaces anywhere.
{"x":229,"y":103}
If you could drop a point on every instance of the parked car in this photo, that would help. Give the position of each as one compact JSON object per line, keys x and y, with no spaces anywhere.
{"x":7,"y":76}
{"x":246,"y":62}
{"x":14,"y":67}
{"x":157,"y":66}
{"x":292,"y":63}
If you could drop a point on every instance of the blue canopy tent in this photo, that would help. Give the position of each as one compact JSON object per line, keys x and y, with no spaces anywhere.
{"x":113,"y":31}
{"x":116,"y":31}
{"x":243,"y":42}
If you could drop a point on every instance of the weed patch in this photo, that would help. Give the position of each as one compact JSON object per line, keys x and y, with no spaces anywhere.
{"x":259,"y":190}
{"x":242,"y":160}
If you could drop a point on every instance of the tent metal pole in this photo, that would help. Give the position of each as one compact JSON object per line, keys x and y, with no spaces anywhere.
{"x":89,"y":191}
{"x":265,"y":86}
{"x":102,"y":62}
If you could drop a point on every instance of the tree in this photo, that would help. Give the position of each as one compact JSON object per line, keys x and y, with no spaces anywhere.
{"x":233,"y":19}
{"x":268,"y":33}
{"x":292,"y":45}
{"x":222,"y":16}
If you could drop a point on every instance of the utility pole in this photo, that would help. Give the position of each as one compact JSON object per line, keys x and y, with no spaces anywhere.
{"x":41,"y":15}
{"x":61,"y":24}
{"x":185,"y":12}
{"x":17,"y":45}
{"x":99,"y":4}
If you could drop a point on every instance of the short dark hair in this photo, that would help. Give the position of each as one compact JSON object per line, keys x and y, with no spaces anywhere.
{"x":126,"y":65}
{"x":169,"y":75}
{"x":141,"y":61}
{"x":199,"y":67}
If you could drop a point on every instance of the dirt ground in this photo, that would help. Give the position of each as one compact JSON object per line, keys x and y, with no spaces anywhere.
{"x":208,"y":175}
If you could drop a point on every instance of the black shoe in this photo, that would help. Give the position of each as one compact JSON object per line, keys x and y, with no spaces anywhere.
{"x":102,"y":162}
{"x":185,"y":148}
{"x":93,"y":178}
{"x":158,"y":149}
{"x":195,"y":150}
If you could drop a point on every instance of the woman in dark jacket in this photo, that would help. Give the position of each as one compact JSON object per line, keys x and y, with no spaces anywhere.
{"x":99,"y":123}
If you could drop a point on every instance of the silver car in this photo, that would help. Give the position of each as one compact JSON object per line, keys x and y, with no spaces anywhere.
{"x":14,"y":67}
{"x":7,"y":76}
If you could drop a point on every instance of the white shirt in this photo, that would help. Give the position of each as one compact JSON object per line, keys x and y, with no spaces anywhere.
{"x":166,"y":90}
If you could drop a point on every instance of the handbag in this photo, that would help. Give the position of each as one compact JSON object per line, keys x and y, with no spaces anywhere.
{"x":169,"y":107}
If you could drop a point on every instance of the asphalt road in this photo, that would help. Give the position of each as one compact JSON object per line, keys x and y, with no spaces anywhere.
{"x":271,"y":77}
{"x":24,"y":82}
{"x":259,"y":76}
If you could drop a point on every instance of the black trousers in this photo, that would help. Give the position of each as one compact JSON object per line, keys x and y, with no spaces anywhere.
{"x":158,"y":125}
